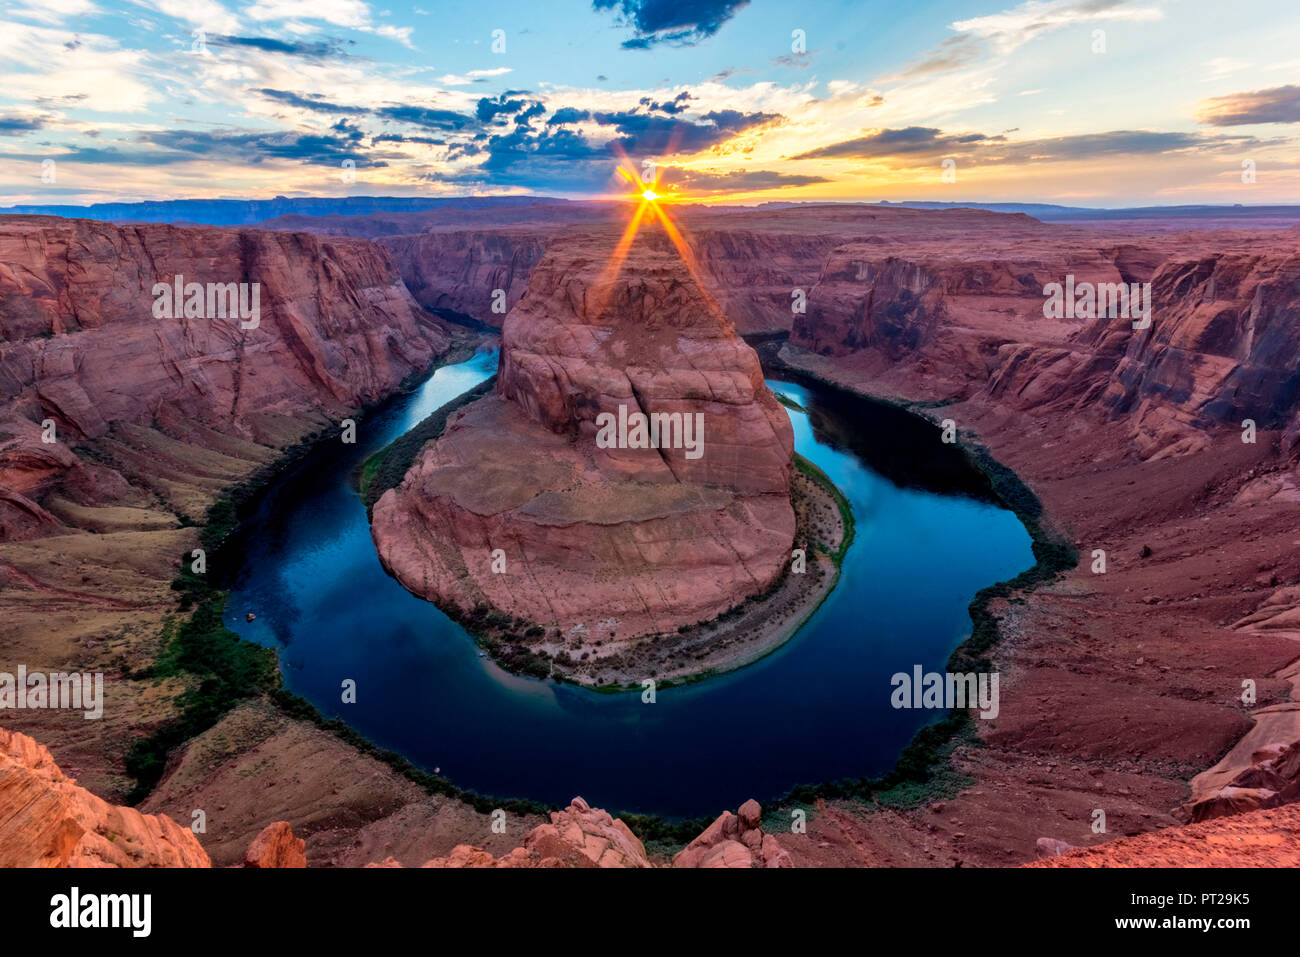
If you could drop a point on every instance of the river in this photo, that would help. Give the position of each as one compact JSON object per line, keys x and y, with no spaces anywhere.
{"x":928,"y":538}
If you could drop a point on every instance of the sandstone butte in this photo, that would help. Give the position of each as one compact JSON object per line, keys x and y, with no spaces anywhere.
{"x":1121,"y":690}
{"x":609,"y":541}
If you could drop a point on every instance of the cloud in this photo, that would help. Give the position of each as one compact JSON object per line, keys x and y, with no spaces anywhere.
{"x":311,"y":101}
{"x":567,"y":114}
{"x":40,"y":64}
{"x":799,"y":61}
{"x":900,"y":142}
{"x":19,"y":125}
{"x":53,"y":12}
{"x":916,"y":144}
{"x":425,"y":117}
{"x":343,"y":13}
{"x":735,"y":182}
{"x":317,"y":50}
{"x":1006,"y":31}
{"x":1014,"y":28}
{"x":354,"y":14}
{"x":644,"y":133}
{"x":343,"y":141}
{"x":674,"y":22}
{"x":206,"y":15}
{"x":1280,"y":104}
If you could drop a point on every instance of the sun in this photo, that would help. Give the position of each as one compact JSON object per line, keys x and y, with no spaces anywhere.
{"x":653,"y":206}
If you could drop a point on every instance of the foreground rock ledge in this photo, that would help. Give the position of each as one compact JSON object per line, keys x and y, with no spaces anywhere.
{"x":601,"y":544}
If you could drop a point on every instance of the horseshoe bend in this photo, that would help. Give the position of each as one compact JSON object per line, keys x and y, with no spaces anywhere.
{"x":536,"y":501}
{"x":1145,"y":654}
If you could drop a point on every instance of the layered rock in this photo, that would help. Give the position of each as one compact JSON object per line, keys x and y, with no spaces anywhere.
{"x":46,"y":820}
{"x":1223,"y":347}
{"x":616,"y":541}
{"x":462,"y":270}
{"x":80,"y":346}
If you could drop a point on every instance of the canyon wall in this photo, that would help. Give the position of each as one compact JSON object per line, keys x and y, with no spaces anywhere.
{"x":80,"y":346}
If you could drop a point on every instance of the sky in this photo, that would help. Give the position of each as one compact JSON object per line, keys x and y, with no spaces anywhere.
{"x":1081,"y":102}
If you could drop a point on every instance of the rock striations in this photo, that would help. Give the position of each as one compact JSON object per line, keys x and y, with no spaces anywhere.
{"x":81,"y":348}
{"x":588,"y":536}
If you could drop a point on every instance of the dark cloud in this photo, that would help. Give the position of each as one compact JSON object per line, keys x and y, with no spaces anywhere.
{"x":311,"y":101}
{"x":318,"y":50}
{"x":18,"y":125}
{"x":678,"y":104}
{"x":734,"y":182}
{"x":675,"y":22}
{"x":342,"y":141}
{"x":920,"y":144}
{"x":1281,"y":104}
{"x":644,"y":134}
{"x":900,"y":142}
{"x":425,"y":117}
{"x":398,"y":138}
{"x":489,"y":107}
{"x":567,"y":114}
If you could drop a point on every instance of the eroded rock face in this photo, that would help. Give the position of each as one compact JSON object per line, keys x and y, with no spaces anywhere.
{"x":276,"y":847}
{"x":1224,"y":346}
{"x":46,"y":820}
{"x":623,"y":541}
{"x":462,"y":270}
{"x":735,"y":840}
{"x":81,"y":347}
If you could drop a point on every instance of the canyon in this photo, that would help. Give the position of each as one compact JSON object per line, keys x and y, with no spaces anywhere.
{"x":1121,"y":690}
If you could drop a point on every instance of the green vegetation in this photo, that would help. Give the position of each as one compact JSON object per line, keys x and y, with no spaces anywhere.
{"x":841,"y":502}
{"x":788,"y":402}
{"x":227,"y":670}
{"x":387,"y":467}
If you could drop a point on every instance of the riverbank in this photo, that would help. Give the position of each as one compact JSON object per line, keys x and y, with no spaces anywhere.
{"x":1115,"y":672}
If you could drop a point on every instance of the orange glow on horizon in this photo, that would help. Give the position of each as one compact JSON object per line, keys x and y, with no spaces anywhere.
{"x":651,"y":201}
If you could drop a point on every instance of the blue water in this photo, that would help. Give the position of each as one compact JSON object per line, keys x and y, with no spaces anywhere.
{"x":815,"y":710}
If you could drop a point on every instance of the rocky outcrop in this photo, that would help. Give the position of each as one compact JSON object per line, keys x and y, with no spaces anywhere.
{"x":735,"y":840}
{"x":276,"y":847}
{"x":46,"y":820}
{"x":1267,"y":838}
{"x":582,"y":836}
{"x":1261,"y":771}
{"x":590,"y":540}
{"x":578,"y":836}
